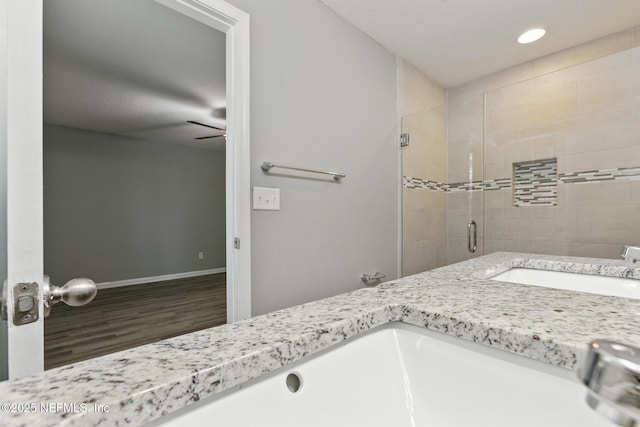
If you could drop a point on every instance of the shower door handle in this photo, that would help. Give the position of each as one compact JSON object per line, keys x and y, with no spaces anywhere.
{"x":472,"y":247}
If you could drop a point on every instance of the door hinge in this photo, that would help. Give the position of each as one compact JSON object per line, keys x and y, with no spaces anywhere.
{"x":3,"y":300}
{"x":236,"y":243}
{"x":404,"y":140}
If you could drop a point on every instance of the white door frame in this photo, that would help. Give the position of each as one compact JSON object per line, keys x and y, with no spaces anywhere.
{"x":21,"y":145}
{"x":235,"y":24}
{"x":21,"y":157}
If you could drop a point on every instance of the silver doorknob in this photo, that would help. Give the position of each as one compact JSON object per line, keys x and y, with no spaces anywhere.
{"x":75,"y":292}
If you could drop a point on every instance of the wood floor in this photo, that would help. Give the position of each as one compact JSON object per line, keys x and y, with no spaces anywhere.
{"x":121,"y":318}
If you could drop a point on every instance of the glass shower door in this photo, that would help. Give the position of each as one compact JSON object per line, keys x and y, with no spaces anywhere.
{"x":465,"y":201}
{"x":424,"y":190}
{"x":562,"y":158}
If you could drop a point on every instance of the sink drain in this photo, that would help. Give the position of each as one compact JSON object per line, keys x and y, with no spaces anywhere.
{"x":294,"y":382}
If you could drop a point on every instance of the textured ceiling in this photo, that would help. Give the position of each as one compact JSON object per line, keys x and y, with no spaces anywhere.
{"x":455,"y":41}
{"x":133,"y":68}
{"x":139,"y":69}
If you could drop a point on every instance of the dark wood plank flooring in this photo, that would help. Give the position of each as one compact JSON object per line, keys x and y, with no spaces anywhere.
{"x":126,"y":317}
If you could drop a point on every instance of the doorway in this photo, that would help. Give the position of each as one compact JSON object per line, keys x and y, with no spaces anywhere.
{"x":134,"y":173}
{"x":22,"y":346}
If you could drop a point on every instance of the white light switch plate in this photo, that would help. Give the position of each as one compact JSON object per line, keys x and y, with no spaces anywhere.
{"x":266,"y":199}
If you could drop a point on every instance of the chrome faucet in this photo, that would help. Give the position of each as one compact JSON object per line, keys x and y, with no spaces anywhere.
{"x":611,"y":373}
{"x":631,"y":253}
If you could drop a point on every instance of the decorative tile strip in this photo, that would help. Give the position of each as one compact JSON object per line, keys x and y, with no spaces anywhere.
{"x":497,"y":184}
{"x":632,"y":173}
{"x":600,"y":175}
{"x":423,"y":184}
{"x":466,"y":186}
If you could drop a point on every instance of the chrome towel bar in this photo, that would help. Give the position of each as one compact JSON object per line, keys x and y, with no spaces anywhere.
{"x":266,"y":166}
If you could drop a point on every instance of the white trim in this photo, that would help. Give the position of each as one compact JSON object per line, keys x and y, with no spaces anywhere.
{"x":235,"y":24}
{"x":163,"y":278}
{"x":400,"y":229}
{"x":21,"y":83}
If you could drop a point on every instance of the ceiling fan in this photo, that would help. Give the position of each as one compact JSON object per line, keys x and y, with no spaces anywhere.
{"x":223,"y":134}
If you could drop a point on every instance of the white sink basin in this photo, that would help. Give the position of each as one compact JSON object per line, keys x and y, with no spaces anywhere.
{"x":402,"y":375}
{"x":601,"y":285}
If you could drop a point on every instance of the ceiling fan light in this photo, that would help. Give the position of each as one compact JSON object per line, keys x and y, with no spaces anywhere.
{"x":531,"y":35}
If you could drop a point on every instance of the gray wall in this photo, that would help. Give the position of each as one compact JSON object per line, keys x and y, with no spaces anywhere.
{"x":323,"y":95}
{"x":120,"y":208}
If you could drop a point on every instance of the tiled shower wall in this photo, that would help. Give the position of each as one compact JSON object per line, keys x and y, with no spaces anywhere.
{"x":580,"y":107}
{"x":423,"y":108}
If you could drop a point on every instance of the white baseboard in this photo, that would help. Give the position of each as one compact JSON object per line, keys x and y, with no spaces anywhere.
{"x":141,"y":280}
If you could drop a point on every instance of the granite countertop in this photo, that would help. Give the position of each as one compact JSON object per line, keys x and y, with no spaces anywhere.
{"x":146,"y":382}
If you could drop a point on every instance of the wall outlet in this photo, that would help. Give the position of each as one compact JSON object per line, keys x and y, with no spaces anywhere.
{"x":266,"y":199}
{"x":200,"y":255}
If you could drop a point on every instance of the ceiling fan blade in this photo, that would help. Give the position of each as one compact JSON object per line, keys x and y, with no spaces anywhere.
{"x":207,"y":137}
{"x":202,"y":124}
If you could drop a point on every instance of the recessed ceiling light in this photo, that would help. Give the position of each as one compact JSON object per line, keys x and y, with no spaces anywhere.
{"x":531,"y":36}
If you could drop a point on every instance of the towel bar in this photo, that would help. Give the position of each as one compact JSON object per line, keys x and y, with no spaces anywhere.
{"x":266,"y":166}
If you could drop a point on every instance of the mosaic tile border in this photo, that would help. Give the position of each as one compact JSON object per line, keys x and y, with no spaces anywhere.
{"x":632,"y":173}
{"x":535,"y":183}
{"x":489,"y":184}
{"x":584,"y":177}
{"x":422,"y":184}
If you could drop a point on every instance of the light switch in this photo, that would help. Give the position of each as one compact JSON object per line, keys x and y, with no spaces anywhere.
{"x":266,"y":199}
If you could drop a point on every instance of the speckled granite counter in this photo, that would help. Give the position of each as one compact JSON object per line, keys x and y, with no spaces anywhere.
{"x":142,"y":384}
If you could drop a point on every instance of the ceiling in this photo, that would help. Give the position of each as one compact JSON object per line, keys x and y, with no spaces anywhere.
{"x":133,"y":68}
{"x":140,"y":69}
{"x":456,"y":41}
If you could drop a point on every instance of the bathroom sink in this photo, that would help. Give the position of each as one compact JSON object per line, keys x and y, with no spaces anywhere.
{"x":402,"y":375}
{"x":601,"y":285}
